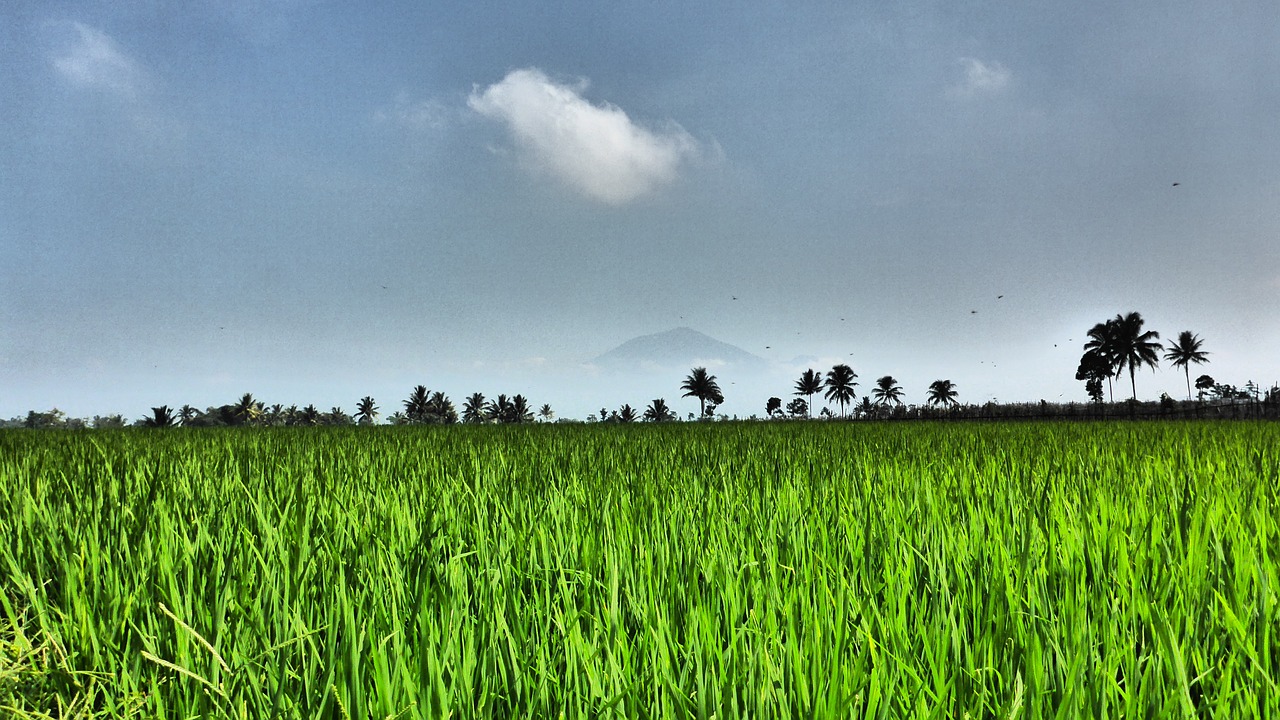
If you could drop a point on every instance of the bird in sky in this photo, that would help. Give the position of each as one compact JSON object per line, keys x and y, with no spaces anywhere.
{"x":1176,"y":184}
{"x":999,"y":296}
{"x":973,"y":312}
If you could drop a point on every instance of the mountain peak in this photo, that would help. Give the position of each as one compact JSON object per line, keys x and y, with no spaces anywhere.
{"x":678,"y":348}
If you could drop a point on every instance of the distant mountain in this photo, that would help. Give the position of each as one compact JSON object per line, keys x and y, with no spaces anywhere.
{"x":681,"y":348}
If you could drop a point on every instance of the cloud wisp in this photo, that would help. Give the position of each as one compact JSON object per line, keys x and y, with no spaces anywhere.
{"x":981,"y":78}
{"x":597,"y":150}
{"x":93,"y":60}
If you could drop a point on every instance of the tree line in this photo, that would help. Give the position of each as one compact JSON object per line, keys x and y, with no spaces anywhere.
{"x":1115,"y":347}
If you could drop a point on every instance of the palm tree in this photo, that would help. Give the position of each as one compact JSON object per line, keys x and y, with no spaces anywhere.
{"x":440,"y":410}
{"x":415,"y":408}
{"x":186,"y":414}
{"x":247,"y":410}
{"x":840,"y":385}
{"x":659,"y":412}
{"x":1186,"y":351}
{"x":627,"y":414}
{"x":520,"y":410}
{"x":498,"y":410}
{"x":887,"y":391}
{"x":1100,"y":352}
{"x":942,"y":392}
{"x":704,"y":387}
{"x":366,"y":411}
{"x":161,"y":417}
{"x":1133,"y":347}
{"x":809,"y":384}
{"x":473,"y":410}
{"x":336,"y":416}
{"x":309,"y":415}
{"x":546,"y":413}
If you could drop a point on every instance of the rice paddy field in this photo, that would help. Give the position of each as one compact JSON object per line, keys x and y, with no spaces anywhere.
{"x":726,"y":570}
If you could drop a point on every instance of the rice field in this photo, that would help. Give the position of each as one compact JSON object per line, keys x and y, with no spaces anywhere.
{"x":726,"y":570}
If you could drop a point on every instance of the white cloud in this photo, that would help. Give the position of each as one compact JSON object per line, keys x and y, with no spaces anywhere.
{"x":594,"y":149}
{"x":981,"y":78}
{"x":93,"y":60}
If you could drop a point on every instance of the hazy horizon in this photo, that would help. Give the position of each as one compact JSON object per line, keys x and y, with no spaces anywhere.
{"x":314,"y":202}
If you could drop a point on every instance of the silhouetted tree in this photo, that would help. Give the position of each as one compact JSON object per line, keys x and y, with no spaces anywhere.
{"x":1093,"y":368}
{"x":1133,"y":347}
{"x":247,"y":410}
{"x":1204,"y":384}
{"x":309,"y":416}
{"x":336,"y":416}
{"x":415,"y":407}
{"x":659,"y":412}
{"x":809,"y":384}
{"x":546,"y":413}
{"x":798,"y":408}
{"x":943,"y":392}
{"x":186,"y":414}
{"x":840,"y":385}
{"x":520,"y":410}
{"x":1102,"y":344}
{"x":772,"y":406}
{"x":161,"y":417}
{"x":703,"y":386}
{"x":627,"y":414}
{"x":1093,"y":386}
{"x":473,"y":410}
{"x":887,"y":391}
{"x":1184,"y":352}
{"x":366,"y":411}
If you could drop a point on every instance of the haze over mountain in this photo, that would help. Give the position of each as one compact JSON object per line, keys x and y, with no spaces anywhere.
{"x":677,"y":348}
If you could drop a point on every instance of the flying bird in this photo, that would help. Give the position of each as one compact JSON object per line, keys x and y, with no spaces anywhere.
{"x":1176,"y":184}
{"x":973,"y":312}
{"x":999,"y":296}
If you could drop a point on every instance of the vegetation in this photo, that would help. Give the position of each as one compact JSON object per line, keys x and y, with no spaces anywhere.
{"x":678,"y":570}
{"x":703,"y":386}
{"x":1186,"y":351}
{"x":840,"y":385}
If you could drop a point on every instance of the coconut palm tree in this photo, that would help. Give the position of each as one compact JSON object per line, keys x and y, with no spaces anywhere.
{"x":809,"y":384}
{"x":366,"y":411}
{"x":658,"y":411}
{"x":1133,"y":347}
{"x":498,"y":410}
{"x":703,"y":386}
{"x":943,"y":392}
{"x":840,"y":385}
{"x":415,"y":407}
{"x":473,"y":410}
{"x":309,"y":415}
{"x":627,"y":414}
{"x":546,"y":413}
{"x":336,"y":416}
{"x":440,"y":410}
{"x":1186,"y":351}
{"x":247,"y":410}
{"x":520,"y":410}
{"x":887,"y":391}
{"x":186,"y":414}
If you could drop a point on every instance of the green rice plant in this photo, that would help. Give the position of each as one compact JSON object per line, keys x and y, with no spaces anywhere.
{"x":686,"y":571}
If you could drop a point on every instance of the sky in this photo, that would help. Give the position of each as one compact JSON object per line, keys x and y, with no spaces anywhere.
{"x":317,"y":201}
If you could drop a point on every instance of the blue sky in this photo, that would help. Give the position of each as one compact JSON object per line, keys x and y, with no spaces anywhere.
{"x":316,"y":201}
